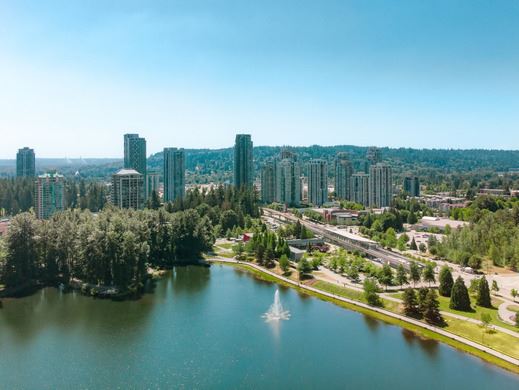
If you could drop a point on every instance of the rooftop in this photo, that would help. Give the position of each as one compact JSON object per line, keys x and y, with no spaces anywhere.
{"x":49,"y":175}
{"x":125,"y":172}
{"x":441,"y":222}
{"x":351,"y":236}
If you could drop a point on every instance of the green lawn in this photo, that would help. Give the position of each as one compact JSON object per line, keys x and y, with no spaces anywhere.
{"x":352,"y":294}
{"x":226,"y":245}
{"x":478,"y":310}
{"x":513,"y":308}
{"x":476,"y":314}
{"x":227,"y":255}
{"x":498,"y":341}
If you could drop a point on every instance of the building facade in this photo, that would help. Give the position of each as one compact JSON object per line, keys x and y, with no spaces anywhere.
{"x":128,"y":189}
{"x":243,"y":161}
{"x":288,"y":182}
{"x":50,"y":195}
{"x":174,"y":174}
{"x":25,"y":163}
{"x":135,"y":153}
{"x":343,"y":171}
{"x":268,"y":182}
{"x":411,"y":186}
{"x":360,"y":188}
{"x":317,"y":182}
{"x":380,"y":185}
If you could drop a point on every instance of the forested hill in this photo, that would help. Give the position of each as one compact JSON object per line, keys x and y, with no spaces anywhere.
{"x":216,"y":164}
{"x":448,"y":159}
{"x":435,"y":166}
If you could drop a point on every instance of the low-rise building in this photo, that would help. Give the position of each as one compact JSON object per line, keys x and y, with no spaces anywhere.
{"x":437,"y":222}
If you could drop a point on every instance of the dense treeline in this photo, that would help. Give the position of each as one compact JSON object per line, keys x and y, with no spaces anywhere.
{"x":111,"y":248}
{"x":225,"y":206}
{"x":439,"y":169}
{"x":493,"y":236}
{"x":474,"y":211}
{"x":114,"y":247}
{"x":17,"y":195}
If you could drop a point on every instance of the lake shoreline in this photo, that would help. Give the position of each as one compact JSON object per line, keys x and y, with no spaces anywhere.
{"x":93,"y":290}
{"x":418,"y":330}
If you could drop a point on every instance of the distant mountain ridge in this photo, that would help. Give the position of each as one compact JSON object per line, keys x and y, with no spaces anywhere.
{"x":216,"y":164}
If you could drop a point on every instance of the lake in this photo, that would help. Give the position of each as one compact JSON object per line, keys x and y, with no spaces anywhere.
{"x":203,"y":328}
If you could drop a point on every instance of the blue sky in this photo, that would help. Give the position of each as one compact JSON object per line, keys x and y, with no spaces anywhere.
{"x":76,"y":75}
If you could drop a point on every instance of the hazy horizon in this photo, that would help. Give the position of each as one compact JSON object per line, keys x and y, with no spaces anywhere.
{"x":76,"y":76}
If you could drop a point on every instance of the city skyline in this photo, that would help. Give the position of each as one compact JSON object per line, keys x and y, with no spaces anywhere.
{"x":414,"y":75}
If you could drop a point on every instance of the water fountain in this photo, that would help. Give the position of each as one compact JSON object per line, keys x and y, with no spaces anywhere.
{"x":276,"y":311}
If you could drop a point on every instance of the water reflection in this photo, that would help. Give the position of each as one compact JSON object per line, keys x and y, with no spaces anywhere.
{"x":50,"y":309}
{"x":190,"y":279}
{"x":372,"y":323}
{"x":429,"y":346}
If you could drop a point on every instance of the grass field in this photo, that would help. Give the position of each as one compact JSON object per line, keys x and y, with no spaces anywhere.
{"x":498,"y":341}
{"x":513,"y":308}
{"x":226,"y":245}
{"x":476,"y":314}
{"x":352,"y":294}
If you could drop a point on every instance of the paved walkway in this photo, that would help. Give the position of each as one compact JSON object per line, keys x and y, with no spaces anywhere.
{"x":331,"y":277}
{"x":506,"y":315}
{"x":378,"y":310}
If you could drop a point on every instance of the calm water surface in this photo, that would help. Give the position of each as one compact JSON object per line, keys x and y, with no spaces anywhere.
{"x":202,"y":328}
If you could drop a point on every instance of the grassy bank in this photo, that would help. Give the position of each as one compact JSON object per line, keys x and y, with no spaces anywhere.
{"x":352,"y":294}
{"x":476,"y":314}
{"x":390,"y":320}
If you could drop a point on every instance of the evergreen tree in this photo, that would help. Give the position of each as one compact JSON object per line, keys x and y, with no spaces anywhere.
{"x":410,"y":302}
{"x":21,"y":265}
{"x":412,"y":219}
{"x":483,"y":294}
{"x":284,"y":264}
{"x":413,"y":245}
{"x":297,"y":229}
{"x":304,"y":267}
{"x":260,"y":253}
{"x":154,"y":201}
{"x":431,"y":311}
{"x":446,"y":282}
{"x":460,"y":299}
{"x":422,"y":294}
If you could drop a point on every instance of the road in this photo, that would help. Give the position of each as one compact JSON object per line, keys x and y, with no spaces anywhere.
{"x":374,"y":251}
